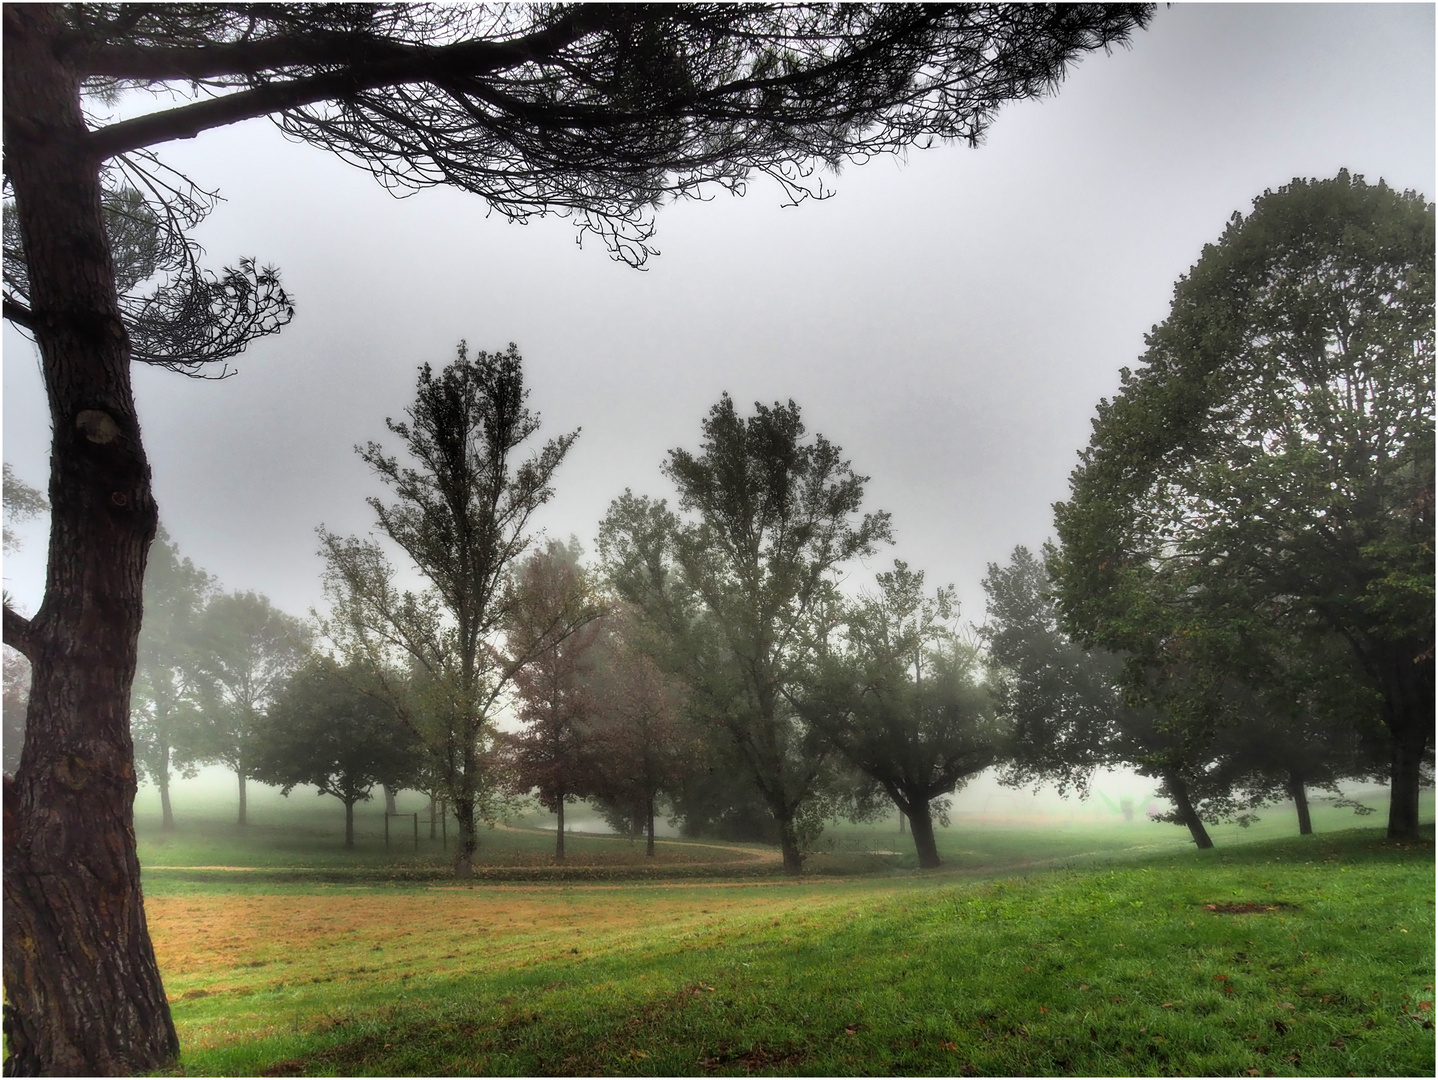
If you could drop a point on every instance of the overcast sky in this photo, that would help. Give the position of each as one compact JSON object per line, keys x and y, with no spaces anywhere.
{"x":950,"y":320}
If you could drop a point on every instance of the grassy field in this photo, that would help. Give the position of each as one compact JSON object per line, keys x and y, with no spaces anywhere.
{"x":1066,"y":948}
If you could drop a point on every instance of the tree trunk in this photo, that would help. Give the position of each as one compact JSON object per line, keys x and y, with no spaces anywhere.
{"x":468,"y":841}
{"x":559,"y":832}
{"x":244,"y":806}
{"x":84,"y":993}
{"x":1186,"y":813}
{"x":167,"y":815}
{"x":1299,"y":794}
{"x":649,"y":847}
{"x":921,"y":824}
{"x":389,"y":803}
{"x":902,"y":819}
{"x":1407,"y":755}
{"x":789,"y":845}
{"x":349,"y":823}
{"x":432,"y":823}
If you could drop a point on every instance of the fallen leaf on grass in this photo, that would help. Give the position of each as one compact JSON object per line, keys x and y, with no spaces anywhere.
{"x":944,"y":1044}
{"x":1285,"y":1005}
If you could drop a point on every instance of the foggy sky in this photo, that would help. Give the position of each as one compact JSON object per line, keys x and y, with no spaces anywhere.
{"x":950,"y":320}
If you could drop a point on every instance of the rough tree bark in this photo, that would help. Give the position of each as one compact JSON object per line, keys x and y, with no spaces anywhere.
{"x":1186,"y":813}
{"x":84,"y":993}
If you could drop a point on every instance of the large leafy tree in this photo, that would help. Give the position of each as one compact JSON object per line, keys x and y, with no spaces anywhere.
{"x":554,"y":621}
{"x":770,"y":517}
{"x":601,"y":111}
{"x":461,"y":515}
{"x":1263,"y":484}
{"x":246,"y":649}
{"x":163,"y":701}
{"x":642,"y":745}
{"x":903,"y":699}
{"x":329,"y":729}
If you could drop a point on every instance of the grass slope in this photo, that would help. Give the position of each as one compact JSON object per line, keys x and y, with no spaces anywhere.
{"x":1309,"y":956}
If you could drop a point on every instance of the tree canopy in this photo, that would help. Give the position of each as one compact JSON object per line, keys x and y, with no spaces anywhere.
{"x":1263,"y":484}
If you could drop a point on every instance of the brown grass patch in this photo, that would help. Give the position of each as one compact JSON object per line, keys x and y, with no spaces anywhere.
{"x":238,"y":944}
{"x":1247,"y":907}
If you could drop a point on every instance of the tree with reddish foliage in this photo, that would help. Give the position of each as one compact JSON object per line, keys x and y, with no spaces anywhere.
{"x":641,"y":745}
{"x":554,"y":689}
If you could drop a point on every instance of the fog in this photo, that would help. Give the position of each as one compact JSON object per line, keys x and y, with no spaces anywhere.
{"x":950,"y":320}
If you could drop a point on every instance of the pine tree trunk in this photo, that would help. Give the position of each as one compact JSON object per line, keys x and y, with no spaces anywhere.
{"x":84,"y":993}
{"x":1299,"y":794}
{"x":559,"y":832}
{"x":649,"y":848}
{"x":244,"y":805}
{"x":1186,"y":813}
{"x":921,"y":824}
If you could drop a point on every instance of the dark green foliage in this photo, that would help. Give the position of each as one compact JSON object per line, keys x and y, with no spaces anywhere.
{"x":329,"y":728}
{"x":902,"y":699}
{"x":733,"y":585}
{"x":461,"y":515}
{"x":1258,"y":500}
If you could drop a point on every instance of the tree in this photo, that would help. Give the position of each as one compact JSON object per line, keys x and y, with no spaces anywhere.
{"x":325,"y":730}
{"x":1069,"y":711}
{"x":461,"y":518}
{"x":163,"y":707}
{"x":554,"y":688}
{"x":17,"y":697}
{"x":22,"y":502}
{"x":598,"y":111}
{"x":903,"y":700}
{"x":772,"y":517}
{"x":1264,"y":483}
{"x":247,"y":651}
{"x":641,"y":745}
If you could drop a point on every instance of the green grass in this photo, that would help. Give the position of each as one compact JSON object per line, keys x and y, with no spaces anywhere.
{"x":1040,"y":950}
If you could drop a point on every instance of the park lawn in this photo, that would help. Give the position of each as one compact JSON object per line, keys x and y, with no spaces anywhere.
{"x":1294,"y":956}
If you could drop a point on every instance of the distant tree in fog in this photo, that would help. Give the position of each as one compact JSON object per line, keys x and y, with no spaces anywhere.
{"x":246,"y":650}
{"x":325,"y":730}
{"x":164,"y":707}
{"x":17,"y":696}
{"x":554,"y":690}
{"x":641,"y":743}
{"x":903,"y":699}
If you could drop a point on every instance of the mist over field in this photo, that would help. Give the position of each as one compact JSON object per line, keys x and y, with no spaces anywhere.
{"x":581,"y":615}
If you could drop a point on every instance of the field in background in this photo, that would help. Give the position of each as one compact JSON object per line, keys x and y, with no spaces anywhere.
{"x":1062,"y":946}
{"x":992,"y":828}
